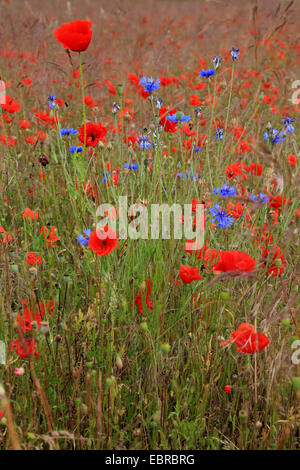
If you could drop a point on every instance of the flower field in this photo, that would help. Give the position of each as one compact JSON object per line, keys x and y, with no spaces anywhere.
{"x":149,"y":225}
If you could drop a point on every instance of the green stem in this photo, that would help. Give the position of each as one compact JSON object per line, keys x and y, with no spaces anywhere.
{"x":83,"y":104}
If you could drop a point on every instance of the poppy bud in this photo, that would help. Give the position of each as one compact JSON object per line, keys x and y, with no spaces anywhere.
{"x":296,"y":382}
{"x":286,"y":322}
{"x":165,"y":348}
{"x":30,"y":436}
{"x":179,"y":115}
{"x":3,"y":421}
{"x":19,"y":371}
{"x":224,"y":295}
{"x":120,"y":90}
{"x":156,"y":417}
{"x":126,"y":116}
{"x":144,"y":326}
{"x":109,"y":382}
{"x":78,"y":401}
{"x":83,"y":409}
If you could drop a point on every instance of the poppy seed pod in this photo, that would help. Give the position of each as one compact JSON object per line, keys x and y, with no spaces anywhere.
{"x":224,"y":295}
{"x":43,"y":160}
{"x":120,"y":90}
{"x":119,"y":363}
{"x":243,"y":416}
{"x":296,"y":382}
{"x":144,"y":326}
{"x":45,"y":328}
{"x":109,"y":382}
{"x":165,"y":348}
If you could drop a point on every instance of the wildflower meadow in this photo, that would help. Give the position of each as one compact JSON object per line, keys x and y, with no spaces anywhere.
{"x":149,"y":225}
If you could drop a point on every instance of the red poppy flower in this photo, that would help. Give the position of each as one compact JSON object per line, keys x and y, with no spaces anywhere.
{"x":235,"y":210}
{"x":227,"y":389}
{"x":76,"y":35}
{"x":277,"y":261}
{"x":292,"y":160}
{"x":30,"y":319}
{"x":27,"y":81}
{"x":24,"y":124}
{"x":168,"y":126}
{"x":11,"y":105}
{"x":49,"y":236}
{"x":24,"y":351}
{"x":234,"y":261}
{"x":247,"y":339}
{"x":33,"y":259}
{"x":94,"y":133}
{"x":189,"y":274}
{"x":278,"y":202}
{"x":138,"y":299}
{"x":30,"y":214}
{"x":103,"y":240}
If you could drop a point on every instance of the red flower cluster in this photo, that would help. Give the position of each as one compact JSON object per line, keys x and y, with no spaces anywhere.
{"x":188,"y":274}
{"x":138,"y":299}
{"x":24,"y":350}
{"x":247,"y":339}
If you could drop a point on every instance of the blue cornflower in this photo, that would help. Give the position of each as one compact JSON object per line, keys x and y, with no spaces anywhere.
{"x":220,"y":218}
{"x":274,"y":136}
{"x":84,"y":240}
{"x":179,"y":117}
{"x":74,"y":149}
{"x":288,"y":124}
{"x":144,"y":143}
{"x":225,"y":190}
{"x":220,"y":134}
{"x":70,"y":131}
{"x":150,"y":84}
{"x":106,"y":175}
{"x":259,"y":198}
{"x":235,"y":52}
{"x":207,"y":73}
{"x":51,"y":101}
{"x":197,"y":149}
{"x":188,"y":175}
{"x":217,"y":61}
{"x":133,"y":166}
